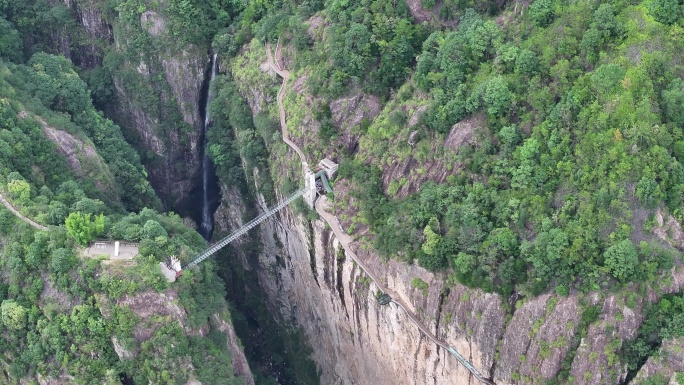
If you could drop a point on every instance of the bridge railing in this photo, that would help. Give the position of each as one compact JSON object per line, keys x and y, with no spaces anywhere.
{"x":245,"y":228}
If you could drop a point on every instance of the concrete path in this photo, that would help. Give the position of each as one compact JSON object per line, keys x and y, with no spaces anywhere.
{"x":20,"y":215}
{"x":281,"y":95}
{"x":344,"y":239}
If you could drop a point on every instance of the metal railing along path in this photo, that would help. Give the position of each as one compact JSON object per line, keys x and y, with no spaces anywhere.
{"x":245,"y":228}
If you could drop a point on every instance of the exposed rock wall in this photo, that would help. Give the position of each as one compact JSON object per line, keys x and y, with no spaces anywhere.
{"x":157,"y":95}
{"x":530,"y":348}
{"x":308,"y":280}
{"x":239,"y":361}
{"x":155,"y":309}
{"x":165,"y":119}
{"x":354,"y":340}
{"x":668,"y":363}
{"x":98,"y":31}
{"x":81,"y":157}
{"x":173,"y":154}
{"x":84,"y":45}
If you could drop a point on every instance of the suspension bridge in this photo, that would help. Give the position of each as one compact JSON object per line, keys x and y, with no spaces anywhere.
{"x":245,"y":228}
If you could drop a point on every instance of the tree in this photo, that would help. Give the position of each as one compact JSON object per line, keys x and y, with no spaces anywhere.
{"x":591,"y":41}
{"x":19,"y":189}
{"x":497,"y":97}
{"x":69,"y":193}
{"x":133,"y":232}
{"x":542,"y":12}
{"x":509,"y":137}
{"x":82,"y":228}
{"x":57,"y":212}
{"x":36,"y":251}
{"x":89,"y":206}
{"x":506,"y":56}
{"x":7,"y":220}
{"x":13,"y":315}
{"x":73,"y":95}
{"x":621,"y":259}
{"x":426,"y":63}
{"x":501,"y":243}
{"x":673,"y":99}
{"x":431,"y":240}
{"x":10,"y":42}
{"x":664,"y":11}
{"x":527,"y":63}
{"x":550,"y":250}
{"x":527,"y":157}
{"x":357,"y":49}
{"x":607,"y":78}
{"x":648,"y":192}
{"x":152,"y":229}
{"x":465,"y":263}
{"x":605,"y":21}
{"x":62,"y":261}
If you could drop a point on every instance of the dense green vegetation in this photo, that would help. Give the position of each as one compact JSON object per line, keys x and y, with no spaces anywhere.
{"x":59,"y":310}
{"x":109,"y":197}
{"x":579,"y":148}
{"x":577,"y":138}
{"x":53,"y":299}
{"x":664,"y":320}
{"x":52,"y":308}
{"x":575,"y":109}
{"x":48,"y":86}
{"x":235,"y":137}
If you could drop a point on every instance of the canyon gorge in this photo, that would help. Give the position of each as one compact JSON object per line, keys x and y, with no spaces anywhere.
{"x":304,"y":311}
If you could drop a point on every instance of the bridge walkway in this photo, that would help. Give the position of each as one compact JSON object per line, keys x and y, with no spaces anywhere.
{"x":244,"y":229}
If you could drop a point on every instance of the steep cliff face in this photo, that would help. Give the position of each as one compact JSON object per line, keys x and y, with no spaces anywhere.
{"x":668,"y":364}
{"x":172,"y":154}
{"x":158,"y":100}
{"x":309,"y":282}
{"x":355,"y":340}
{"x":157,"y":88}
{"x":154,"y":310}
{"x":81,"y":156}
{"x":85,"y":45}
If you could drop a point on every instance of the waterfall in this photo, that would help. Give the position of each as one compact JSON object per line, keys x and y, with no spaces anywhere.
{"x":209,"y":188}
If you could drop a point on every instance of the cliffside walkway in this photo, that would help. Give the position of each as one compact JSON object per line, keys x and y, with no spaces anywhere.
{"x":20,"y":215}
{"x":344,"y":238}
{"x":285,"y":74}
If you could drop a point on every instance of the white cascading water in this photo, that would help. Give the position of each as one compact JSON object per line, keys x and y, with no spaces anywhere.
{"x":207,"y":224}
